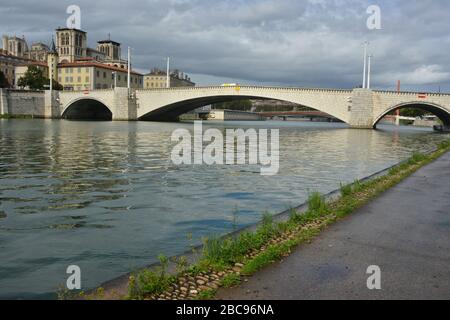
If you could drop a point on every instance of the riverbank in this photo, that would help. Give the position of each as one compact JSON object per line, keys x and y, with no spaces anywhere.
{"x":404,"y":232}
{"x":12,"y":116}
{"x":223,"y":262}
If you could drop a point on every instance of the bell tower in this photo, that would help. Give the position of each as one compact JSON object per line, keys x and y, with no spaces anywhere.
{"x":52,"y":62}
{"x":71,"y":44}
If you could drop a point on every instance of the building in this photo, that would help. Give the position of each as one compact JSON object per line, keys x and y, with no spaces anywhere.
{"x":15,"y":46}
{"x":8,"y":64}
{"x":77,"y":67}
{"x":21,"y":69}
{"x":52,"y":62}
{"x":71,"y":44}
{"x":93,"y":75}
{"x":18,"y":47}
{"x":38,"y":52}
{"x":94,"y":54}
{"x":113,"y":53}
{"x":158,"y":79}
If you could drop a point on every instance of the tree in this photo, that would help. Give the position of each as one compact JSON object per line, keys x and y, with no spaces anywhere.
{"x":243,"y":105}
{"x":413,"y":112}
{"x":35,"y":80}
{"x":3,"y":81}
{"x":56,"y":85}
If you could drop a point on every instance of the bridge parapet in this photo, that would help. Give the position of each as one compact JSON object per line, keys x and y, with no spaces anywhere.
{"x":411,"y":93}
{"x":244,"y":88}
{"x":169,"y":103}
{"x":385,"y":102}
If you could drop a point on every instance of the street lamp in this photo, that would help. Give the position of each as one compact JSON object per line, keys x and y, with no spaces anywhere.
{"x":115,"y":79}
{"x":168,"y":73}
{"x":369,"y":70}
{"x":366,"y":44}
{"x":129,"y":69}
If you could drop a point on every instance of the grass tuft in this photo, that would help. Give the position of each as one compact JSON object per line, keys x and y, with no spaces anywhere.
{"x":317,"y":203}
{"x":346,"y":190}
{"x":231,"y":280}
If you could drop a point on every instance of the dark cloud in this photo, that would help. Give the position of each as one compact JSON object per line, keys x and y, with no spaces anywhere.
{"x":315,"y":43}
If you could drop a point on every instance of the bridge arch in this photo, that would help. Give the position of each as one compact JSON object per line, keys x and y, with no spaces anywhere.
{"x":437,"y":110}
{"x":87,"y":109}
{"x":171,"y":111}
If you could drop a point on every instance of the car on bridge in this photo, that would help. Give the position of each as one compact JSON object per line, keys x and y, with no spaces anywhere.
{"x":230,"y":85}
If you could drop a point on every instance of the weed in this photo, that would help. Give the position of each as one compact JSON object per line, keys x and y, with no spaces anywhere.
{"x":317,"y":203}
{"x":231,"y":280}
{"x":207,"y":294}
{"x":346,"y":190}
{"x":182,"y":264}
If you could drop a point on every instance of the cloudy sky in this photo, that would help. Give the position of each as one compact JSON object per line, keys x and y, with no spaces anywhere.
{"x":307,"y":43}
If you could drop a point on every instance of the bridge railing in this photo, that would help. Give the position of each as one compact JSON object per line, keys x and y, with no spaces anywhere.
{"x":390,"y":92}
{"x":227,"y":88}
{"x":85,"y":92}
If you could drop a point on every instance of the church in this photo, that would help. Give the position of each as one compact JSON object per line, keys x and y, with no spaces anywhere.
{"x":70,"y":61}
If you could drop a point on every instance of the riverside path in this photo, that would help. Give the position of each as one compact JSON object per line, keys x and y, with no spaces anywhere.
{"x":406,"y":232}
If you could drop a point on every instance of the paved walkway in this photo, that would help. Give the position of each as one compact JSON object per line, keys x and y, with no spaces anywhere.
{"x":406,"y":232}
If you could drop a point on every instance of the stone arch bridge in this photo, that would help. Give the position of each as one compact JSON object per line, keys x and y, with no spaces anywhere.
{"x":360,"y":108}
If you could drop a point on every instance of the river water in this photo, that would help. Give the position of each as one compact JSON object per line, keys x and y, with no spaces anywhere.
{"x":106,"y":197}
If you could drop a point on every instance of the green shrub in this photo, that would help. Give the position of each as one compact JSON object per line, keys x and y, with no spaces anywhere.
{"x":149,"y":282}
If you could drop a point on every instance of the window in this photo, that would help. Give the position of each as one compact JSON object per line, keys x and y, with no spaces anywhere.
{"x":87,"y":79}
{"x":79,"y":70}
{"x":79,"y":79}
{"x":98,"y":74}
{"x":104,"y":74}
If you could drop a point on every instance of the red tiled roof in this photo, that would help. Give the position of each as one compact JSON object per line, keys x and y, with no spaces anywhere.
{"x":84,"y":64}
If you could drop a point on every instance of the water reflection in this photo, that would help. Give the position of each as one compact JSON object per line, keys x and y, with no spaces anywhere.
{"x":106,"y":197}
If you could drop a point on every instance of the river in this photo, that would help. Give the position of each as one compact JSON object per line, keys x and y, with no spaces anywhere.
{"x":106,"y":197}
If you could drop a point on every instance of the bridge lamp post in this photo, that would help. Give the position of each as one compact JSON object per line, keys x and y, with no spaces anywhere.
{"x":129,"y":70}
{"x":366,"y":44}
{"x":115,"y":79}
{"x":168,"y":73}
{"x":369,"y":70}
